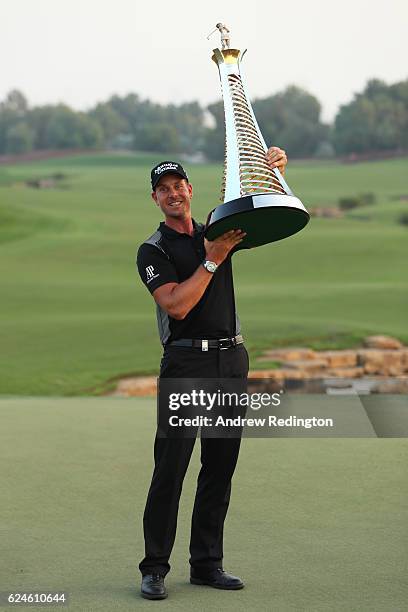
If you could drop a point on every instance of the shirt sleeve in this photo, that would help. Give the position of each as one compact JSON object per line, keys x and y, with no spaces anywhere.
{"x":155,"y":269}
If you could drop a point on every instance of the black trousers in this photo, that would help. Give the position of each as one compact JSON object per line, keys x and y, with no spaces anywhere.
{"x":171,"y":459}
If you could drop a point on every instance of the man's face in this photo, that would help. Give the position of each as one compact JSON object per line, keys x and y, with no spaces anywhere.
{"x":173,"y":195}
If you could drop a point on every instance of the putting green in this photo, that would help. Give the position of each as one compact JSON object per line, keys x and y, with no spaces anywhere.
{"x":313,"y":524}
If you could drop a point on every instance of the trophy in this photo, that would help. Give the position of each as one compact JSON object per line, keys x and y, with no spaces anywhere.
{"x":257,"y":199}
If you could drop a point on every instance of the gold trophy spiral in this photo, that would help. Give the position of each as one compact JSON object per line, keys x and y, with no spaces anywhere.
{"x":257,"y":199}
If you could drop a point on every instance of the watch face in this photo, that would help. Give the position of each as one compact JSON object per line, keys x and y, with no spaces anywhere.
{"x":210,"y":266}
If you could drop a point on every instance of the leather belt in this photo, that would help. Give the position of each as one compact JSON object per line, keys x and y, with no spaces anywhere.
{"x":220,"y":343}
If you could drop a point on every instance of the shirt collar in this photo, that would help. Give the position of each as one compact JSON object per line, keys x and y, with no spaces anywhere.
{"x":169,"y":232}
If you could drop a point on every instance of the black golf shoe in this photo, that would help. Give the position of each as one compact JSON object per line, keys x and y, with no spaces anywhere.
{"x":153,"y":587}
{"x":217,"y":578}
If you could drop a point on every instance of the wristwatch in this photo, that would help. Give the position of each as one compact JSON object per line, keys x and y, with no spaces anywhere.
{"x":210,"y":266}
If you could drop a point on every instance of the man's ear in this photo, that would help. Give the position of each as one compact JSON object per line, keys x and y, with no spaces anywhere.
{"x":190,"y":189}
{"x":154,"y":196}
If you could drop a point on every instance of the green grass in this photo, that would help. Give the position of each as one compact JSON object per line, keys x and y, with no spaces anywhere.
{"x":74,"y":313}
{"x":314,"y":524}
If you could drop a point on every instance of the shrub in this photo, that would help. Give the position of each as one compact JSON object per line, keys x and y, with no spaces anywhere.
{"x":363,"y":199}
{"x":348,"y":203}
{"x":403,"y":219}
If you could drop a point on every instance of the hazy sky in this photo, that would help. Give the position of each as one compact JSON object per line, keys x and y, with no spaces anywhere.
{"x":82,"y":51}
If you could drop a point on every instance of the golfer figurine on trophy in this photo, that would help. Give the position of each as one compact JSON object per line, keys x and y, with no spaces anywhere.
{"x":225,"y":37}
{"x":256,"y":198}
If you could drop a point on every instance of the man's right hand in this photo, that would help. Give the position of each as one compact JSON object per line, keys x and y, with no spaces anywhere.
{"x":218,"y":249}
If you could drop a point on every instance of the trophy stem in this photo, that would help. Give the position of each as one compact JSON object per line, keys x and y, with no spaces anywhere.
{"x":245,"y":146}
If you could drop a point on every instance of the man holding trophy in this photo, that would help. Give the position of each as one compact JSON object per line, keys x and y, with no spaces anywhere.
{"x":192,"y":307}
{"x":187,"y":268}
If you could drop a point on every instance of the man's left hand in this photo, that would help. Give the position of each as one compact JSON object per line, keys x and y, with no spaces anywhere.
{"x":276,"y":158}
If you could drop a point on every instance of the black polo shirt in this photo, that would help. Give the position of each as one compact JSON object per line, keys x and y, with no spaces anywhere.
{"x":172,"y":257}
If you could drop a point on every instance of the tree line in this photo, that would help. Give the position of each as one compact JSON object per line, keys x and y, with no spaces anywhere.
{"x":375,"y":120}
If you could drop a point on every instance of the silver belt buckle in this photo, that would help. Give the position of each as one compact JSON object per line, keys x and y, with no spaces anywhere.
{"x":204,"y":345}
{"x":223,"y":348}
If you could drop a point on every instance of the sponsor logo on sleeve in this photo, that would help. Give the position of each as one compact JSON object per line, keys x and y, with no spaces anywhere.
{"x":150,"y":274}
